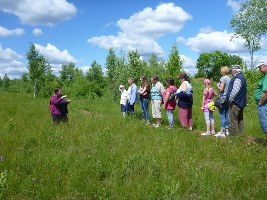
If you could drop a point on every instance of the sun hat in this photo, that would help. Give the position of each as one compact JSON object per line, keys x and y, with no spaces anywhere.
{"x":234,"y":67}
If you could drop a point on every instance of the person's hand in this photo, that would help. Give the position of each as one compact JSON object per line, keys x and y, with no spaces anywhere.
{"x":64,"y":96}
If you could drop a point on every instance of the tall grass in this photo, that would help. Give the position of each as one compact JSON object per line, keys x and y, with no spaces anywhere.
{"x":100,"y":155}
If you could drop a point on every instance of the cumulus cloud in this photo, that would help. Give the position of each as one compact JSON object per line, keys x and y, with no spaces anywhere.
{"x":4,"y":32}
{"x":189,"y":65}
{"x":211,"y":41}
{"x":142,"y":29}
{"x":39,"y":12}
{"x":54,"y":56}
{"x":37,"y":32}
{"x":234,"y":5}
{"x":10,"y":64}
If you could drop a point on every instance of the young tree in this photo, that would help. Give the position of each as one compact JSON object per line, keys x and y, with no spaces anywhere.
{"x":67,"y":73}
{"x":174,"y":64}
{"x":37,"y":67}
{"x":250,"y":24}
{"x":135,"y":65}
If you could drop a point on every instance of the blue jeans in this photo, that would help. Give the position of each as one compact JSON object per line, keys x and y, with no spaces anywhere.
{"x":144,"y":104}
{"x":129,"y":108}
{"x":170,"y":117}
{"x":224,"y":117}
{"x":262,"y":111}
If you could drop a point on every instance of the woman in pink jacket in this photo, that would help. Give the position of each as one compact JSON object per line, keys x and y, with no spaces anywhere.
{"x":169,"y":105}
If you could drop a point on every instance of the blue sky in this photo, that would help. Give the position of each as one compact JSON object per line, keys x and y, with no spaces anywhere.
{"x":82,"y":31}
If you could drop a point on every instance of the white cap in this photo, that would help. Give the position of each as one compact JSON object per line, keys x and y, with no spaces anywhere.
{"x":260,"y":64}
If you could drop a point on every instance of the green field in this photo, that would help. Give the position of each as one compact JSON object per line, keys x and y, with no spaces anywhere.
{"x":100,"y":155}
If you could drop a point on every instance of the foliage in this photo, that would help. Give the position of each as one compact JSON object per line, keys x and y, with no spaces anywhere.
{"x":67,"y":73}
{"x":250,"y":24}
{"x":174,"y":64}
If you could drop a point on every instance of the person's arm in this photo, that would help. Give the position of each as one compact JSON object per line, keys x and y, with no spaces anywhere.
{"x":184,"y":86}
{"x":263,"y":97}
{"x":221,"y":86}
{"x":55,"y":100}
{"x":133,"y":94}
{"x":203,"y":101}
{"x":235,"y":90}
{"x":166,"y":98}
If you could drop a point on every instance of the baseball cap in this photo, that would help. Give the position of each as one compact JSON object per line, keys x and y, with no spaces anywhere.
{"x":121,"y":86}
{"x":235,"y":67}
{"x":260,"y":64}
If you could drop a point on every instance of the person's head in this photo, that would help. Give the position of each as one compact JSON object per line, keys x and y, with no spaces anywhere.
{"x":57,"y":91}
{"x":154,"y":79}
{"x":183,"y":77}
{"x":169,"y":82}
{"x":262,"y":67}
{"x":121,"y":87}
{"x":235,"y":69}
{"x":130,"y":81}
{"x":224,"y":70}
{"x":207,"y":82}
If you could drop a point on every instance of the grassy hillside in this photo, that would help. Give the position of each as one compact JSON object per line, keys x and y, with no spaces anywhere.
{"x":100,"y":155}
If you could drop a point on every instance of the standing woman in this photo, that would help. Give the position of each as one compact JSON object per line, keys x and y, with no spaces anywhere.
{"x":224,"y":110}
{"x":157,"y":90}
{"x":169,"y":105}
{"x":185,"y":101}
{"x":144,"y":93}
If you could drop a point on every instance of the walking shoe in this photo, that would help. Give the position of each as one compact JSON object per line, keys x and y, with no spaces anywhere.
{"x":227,"y":133}
{"x":219,"y":134}
{"x":148,"y":123}
{"x":156,"y":126}
{"x":212,"y":132}
{"x":205,"y":134}
{"x":190,"y":128}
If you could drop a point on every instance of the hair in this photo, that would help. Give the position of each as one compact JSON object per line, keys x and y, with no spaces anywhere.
{"x":144,"y":82}
{"x":56,"y":90}
{"x":184,"y":76}
{"x":224,"y":70}
{"x":170,"y":81}
{"x":132,"y":79}
{"x":155,"y":77}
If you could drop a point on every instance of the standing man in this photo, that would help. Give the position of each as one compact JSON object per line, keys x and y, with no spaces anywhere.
{"x":133,"y":96}
{"x":261,"y":96}
{"x":237,"y":99}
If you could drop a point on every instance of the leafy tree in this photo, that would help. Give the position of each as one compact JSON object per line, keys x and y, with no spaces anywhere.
{"x":174,"y":63}
{"x":37,"y":67}
{"x":250,"y":24}
{"x":67,"y":73}
{"x":155,"y":66}
{"x":6,"y":82}
{"x":111,"y":66}
{"x":210,"y":64}
{"x":135,"y":65}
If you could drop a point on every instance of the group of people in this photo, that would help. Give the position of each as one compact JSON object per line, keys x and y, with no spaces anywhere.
{"x":159,"y":96}
{"x":230,"y":100}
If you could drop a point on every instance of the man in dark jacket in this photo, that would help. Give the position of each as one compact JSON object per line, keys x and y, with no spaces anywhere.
{"x":237,"y":99}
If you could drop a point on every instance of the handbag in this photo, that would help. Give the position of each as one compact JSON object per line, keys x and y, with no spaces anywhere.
{"x":172,"y":96}
{"x":220,"y":101}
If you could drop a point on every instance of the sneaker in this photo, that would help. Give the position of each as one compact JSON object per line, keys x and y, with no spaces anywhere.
{"x":156,"y":126}
{"x":227,"y":133}
{"x":219,"y":134}
{"x":148,"y":123}
{"x":190,"y":128}
{"x":213,"y":132}
{"x":205,"y":134}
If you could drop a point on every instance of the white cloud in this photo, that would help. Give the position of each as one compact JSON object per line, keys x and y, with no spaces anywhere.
{"x":142,"y":29}
{"x":212,"y":41}
{"x":8,"y":55}
{"x":189,"y":65}
{"x":4,"y":32}
{"x":39,"y":12}
{"x":9,"y":63}
{"x":234,"y":5}
{"x":54,"y":55}
{"x":37,"y":32}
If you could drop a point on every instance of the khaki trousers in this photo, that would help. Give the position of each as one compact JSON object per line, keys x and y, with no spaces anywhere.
{"x":236,"y":122}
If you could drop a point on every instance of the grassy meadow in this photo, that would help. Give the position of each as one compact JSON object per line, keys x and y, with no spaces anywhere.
{"x":100,"y":155}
